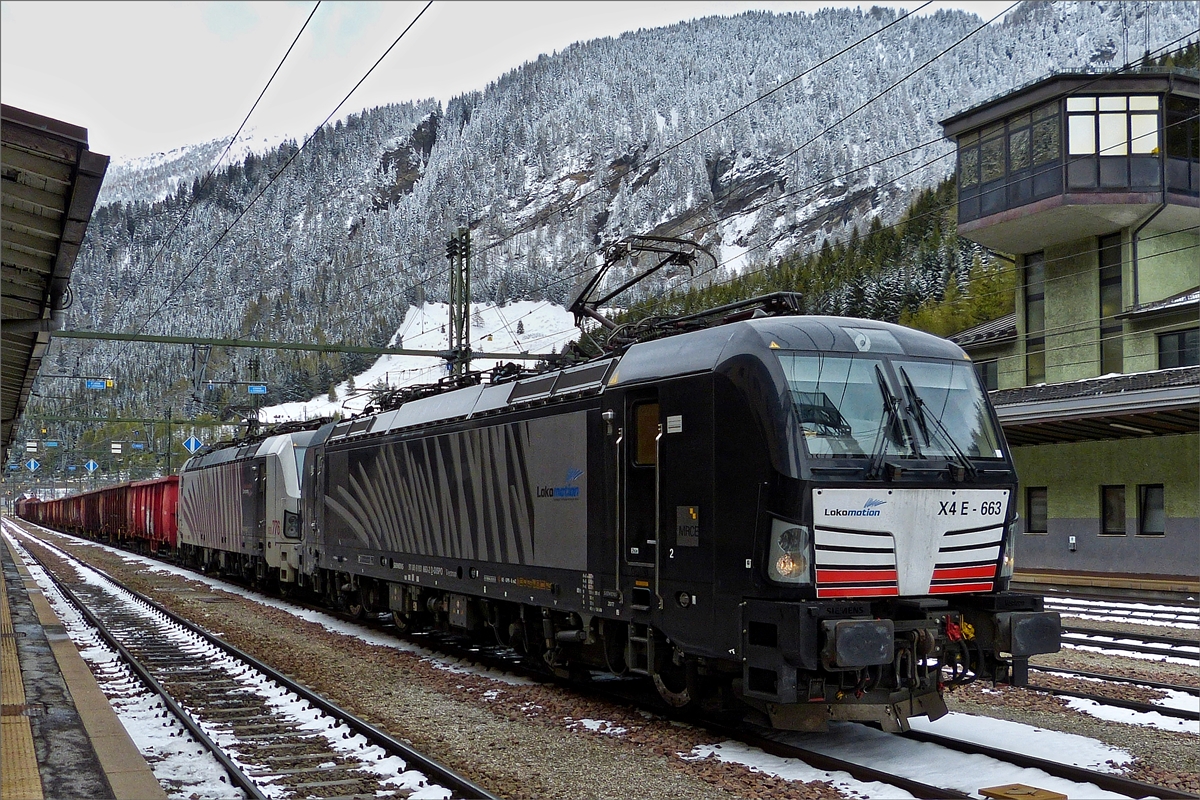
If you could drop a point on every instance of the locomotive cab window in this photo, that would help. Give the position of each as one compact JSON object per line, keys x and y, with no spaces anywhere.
{"x":951,"y":396}
{"x":839,"y":403}
{"x":645,"y":423}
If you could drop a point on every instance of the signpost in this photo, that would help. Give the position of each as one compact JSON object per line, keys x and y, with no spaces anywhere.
{"x":91,"y":466}
{"x":193,"y":444}
{"x":32,"y":464}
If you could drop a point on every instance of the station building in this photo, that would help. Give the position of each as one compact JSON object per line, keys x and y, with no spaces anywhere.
{"x":1092,"y":183}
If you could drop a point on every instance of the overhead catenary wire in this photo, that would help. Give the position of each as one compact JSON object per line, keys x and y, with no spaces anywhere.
{"x":233,"y":140}
{"x":659,"y":155}
{"x":427,"y":279}
{"x":282,"y":169}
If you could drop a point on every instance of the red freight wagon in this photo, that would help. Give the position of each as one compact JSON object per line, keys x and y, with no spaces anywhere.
{"x":26,"y":508}
{"x":112,"y":510}
{"x":150,"y":512}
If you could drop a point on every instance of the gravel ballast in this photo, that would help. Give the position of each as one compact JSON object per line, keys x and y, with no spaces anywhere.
{"x":524,"y":740}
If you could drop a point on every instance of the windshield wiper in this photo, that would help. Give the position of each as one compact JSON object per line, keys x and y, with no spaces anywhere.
{"x":916,"y":407}
{"x":892,"y":418}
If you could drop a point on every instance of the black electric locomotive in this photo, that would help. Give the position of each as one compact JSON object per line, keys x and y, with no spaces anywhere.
{"x":810,"y":514}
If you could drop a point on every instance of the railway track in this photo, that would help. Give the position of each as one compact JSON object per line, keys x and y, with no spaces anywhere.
{"x":1131,"y":705}
{"x":1141,"y":613}
{"x":1151,"y":644}
{"x":1100,"y":676}
{"x":1105,"y":781}
{"x":768,"y":741}
{"x":275,"y":738}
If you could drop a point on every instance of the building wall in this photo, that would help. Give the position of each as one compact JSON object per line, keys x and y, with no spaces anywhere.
{"x":1073,"y":474}
{"x":1168,"y":264}
{"x":1009,"y":363}
{"x":1072,"y":312}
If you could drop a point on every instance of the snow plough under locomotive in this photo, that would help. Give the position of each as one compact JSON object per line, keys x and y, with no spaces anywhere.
{"x":812,"y":515}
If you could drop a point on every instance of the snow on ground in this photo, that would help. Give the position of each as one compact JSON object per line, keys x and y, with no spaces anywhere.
{"x":327,"y":621}
{"x":933,"y":764}
{"x":523,"y":327}
{"x":1141,"y":613}
{"x":200,"y":772}
{"x":1146,"y":719}
{"x":174,"y":759}
{"x":1095,"y":645}
{"x":920,"y":761}
{"x":732,"y":254}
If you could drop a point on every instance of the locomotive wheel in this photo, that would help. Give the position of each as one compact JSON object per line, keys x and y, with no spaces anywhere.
{"x":358,"y":604}
{"x":403,"y":622}
{"x":678,"y":686}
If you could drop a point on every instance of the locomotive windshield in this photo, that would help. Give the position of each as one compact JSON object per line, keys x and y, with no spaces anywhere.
{"x":859,"y":406}
{"x":949,"y":408}
{"x":840,"y":403}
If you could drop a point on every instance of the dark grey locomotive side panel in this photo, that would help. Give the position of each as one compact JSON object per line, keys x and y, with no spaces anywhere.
{"x":513,"y":493}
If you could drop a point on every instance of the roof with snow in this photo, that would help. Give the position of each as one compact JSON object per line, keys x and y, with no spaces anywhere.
{"x":1157,"y":403}
{"x":1179,"y":302}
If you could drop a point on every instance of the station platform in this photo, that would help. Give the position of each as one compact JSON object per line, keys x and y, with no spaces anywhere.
{"x":1129,"y":586}
{"x":59,"y":736}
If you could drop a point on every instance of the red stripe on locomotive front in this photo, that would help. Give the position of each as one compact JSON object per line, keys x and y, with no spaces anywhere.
{"x":956,"y":588}
{"x":859,"y":591}
{"x":856,"y":575}
{"x":959,"y":573}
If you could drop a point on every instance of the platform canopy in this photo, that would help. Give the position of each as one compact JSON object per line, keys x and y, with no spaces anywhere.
{"x":50,"y":184}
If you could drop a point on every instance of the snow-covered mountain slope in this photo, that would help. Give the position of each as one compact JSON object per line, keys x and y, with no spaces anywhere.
{"x":551,"y":162}
{"x":521,"y":327}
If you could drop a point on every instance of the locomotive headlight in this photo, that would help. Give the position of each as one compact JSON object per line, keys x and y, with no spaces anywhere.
{"x":1010,"y":541}
{"x":790,"y":555}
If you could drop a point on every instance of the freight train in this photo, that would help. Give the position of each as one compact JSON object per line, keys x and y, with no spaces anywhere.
{"x":809,"y":516}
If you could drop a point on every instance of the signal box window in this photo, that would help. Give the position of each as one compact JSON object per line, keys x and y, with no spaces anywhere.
{"x":1035,"y":509}
{"x":1112,"y":352}
{"x":1152,"y":517}
{"x":1179,"y":349}
{"x":645,"y":419}
{"x":1112,"y":510}
{"x":989,"y":374}
{"x":1035,"y":318}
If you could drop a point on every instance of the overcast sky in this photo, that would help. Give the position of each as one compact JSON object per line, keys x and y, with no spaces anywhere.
{"x":149,"y":77}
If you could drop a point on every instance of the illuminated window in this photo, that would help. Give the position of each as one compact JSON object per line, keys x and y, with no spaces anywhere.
{"x":1113,"y":141}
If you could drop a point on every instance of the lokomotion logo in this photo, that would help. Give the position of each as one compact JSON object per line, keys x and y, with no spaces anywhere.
{"x":568,"y":491}
{"x":869,"y":509}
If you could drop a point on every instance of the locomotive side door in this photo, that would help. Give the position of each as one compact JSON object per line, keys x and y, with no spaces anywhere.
{"x":639,"y":477}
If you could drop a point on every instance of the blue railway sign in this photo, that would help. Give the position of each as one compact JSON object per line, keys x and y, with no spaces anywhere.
{"x":193,"y":444}
{"x":95,"y":383}
{"x":91,"y":465}
{"x":32,"y":464}
{"x":256,"y":388}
